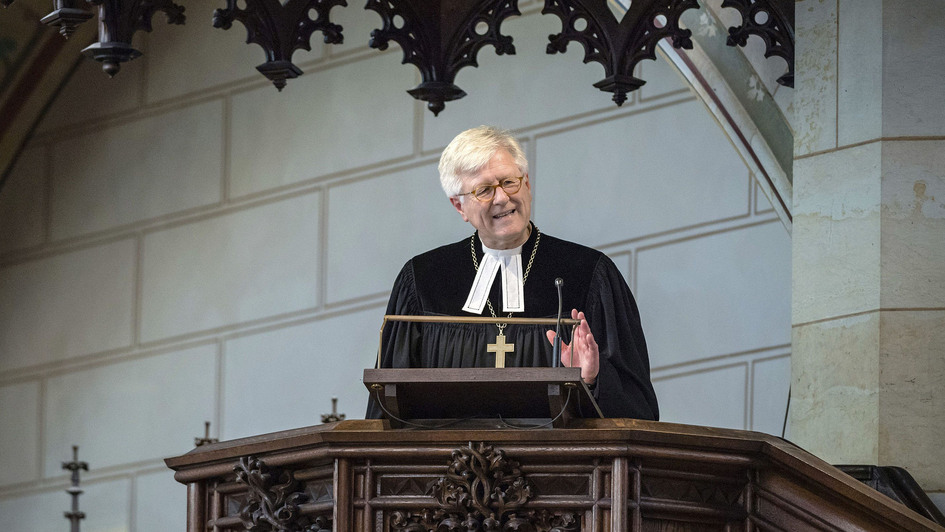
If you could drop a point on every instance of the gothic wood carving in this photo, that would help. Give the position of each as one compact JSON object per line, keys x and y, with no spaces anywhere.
{"x":440,"y":38}
{"x":281,"y":28}
{"x":482,"y":480}
{"x":67,"y":16}
{"x":483,"y":491}
{"x":443,"y":521}
{"x":706,"y":492}
{"x":274,"y":499}
{"x":618,"y":45}
{"x":119,"y":20}
{"x":773,"y":21}
{"x":641,"y":476}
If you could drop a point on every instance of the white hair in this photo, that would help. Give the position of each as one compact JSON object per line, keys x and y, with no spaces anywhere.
{"x":471,"y":151}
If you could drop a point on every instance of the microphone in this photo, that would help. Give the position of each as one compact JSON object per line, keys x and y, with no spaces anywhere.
{"x":556,"y":349}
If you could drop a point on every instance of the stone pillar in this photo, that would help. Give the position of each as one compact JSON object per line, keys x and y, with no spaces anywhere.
{"x":868,"y":367}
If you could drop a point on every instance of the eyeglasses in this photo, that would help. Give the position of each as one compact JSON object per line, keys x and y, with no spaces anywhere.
{"x":485,"y":193}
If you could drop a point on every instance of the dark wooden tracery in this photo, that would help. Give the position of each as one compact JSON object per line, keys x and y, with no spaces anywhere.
{"x":773,"y":22}
{"x":440,"y":37}
{"x":281,"y":29}
{"x":619,"y":45}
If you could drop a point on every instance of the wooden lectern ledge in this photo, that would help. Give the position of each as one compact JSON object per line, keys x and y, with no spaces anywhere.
{"x":594,"y":475}
{"x":481,"y":397}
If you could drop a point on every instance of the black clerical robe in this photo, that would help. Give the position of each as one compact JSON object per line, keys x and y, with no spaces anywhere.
{"x":437,"y":282}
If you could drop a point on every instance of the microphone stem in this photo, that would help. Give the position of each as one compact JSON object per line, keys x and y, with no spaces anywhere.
{"x":556,"y":349}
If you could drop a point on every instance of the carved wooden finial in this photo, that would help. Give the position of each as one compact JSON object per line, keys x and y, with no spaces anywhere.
{"x":206,"y":436}
{"x":119,"y":21}
{"x":67,"y":15}
{"x":73,"y":490}
{"x":334,"y":416}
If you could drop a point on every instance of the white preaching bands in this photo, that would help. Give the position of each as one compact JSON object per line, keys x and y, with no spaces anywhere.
{"x":513,"y":284}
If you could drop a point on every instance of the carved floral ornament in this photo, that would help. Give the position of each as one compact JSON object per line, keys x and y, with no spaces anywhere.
{"x":273,"y":501}
{"x":483,"y":491}
{"x":440,"y":37}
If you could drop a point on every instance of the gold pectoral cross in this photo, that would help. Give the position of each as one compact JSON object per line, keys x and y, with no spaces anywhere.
{"x":500,"y":348}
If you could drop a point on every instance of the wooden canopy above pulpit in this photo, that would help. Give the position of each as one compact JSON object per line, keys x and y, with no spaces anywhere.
{"x":594,"y":475}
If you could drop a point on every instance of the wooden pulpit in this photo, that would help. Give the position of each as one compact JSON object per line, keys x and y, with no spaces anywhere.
{"x":592,"y":475}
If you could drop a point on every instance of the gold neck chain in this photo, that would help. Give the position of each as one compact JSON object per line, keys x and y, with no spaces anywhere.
{"x":528,"y":268}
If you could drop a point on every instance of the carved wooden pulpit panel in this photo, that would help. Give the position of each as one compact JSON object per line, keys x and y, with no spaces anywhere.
{"x":599,"y":475}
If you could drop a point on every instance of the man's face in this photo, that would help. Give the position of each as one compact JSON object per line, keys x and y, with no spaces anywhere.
{"x":503,"y":222}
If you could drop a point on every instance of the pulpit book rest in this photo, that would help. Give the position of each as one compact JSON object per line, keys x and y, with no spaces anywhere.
{"x":500,"y":396}
{"x":481,"y":397}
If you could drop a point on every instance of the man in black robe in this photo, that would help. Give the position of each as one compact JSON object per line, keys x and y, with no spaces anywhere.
{"x":508,"y":268}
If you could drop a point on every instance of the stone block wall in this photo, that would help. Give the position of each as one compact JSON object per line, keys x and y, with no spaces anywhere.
{"x":869,"y":217}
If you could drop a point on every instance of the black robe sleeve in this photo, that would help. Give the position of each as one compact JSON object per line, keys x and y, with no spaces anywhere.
{"x":400,"y":340}
{"x":623,"y":387}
